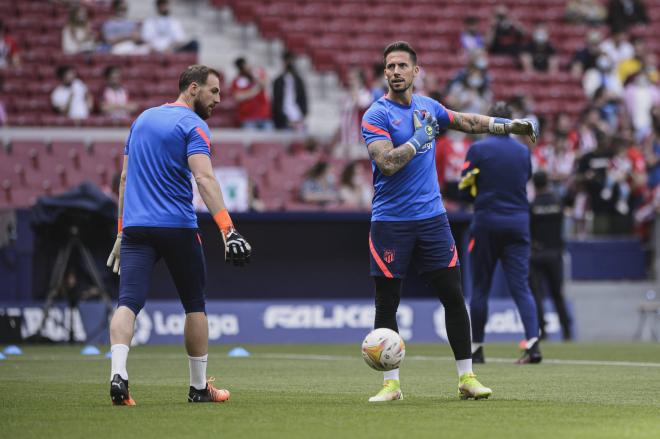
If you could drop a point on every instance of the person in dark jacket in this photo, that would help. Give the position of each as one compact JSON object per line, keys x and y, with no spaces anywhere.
{"x":495,"y":174}
{"x":289,"y":97}
{"x":546,"y":227}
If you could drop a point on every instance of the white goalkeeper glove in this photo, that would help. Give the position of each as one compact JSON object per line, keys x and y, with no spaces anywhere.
{"x":113,"y":259}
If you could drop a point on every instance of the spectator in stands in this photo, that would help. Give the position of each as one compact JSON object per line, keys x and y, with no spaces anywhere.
{"x":121,"y":34}
{"x":477,"y":61}
{"x":539,"y":54}
{"x":319,"y":186}
{"x":618,"y":48}
{"x":432,"y":87}
{"x":641,"y":95}
{"x":289,"y":97}
{"x":603,"y":75}
{"x":165,"y":33}
{"x":609,"y":106}
{"x":355,"y":190}
{"x":71,"y":97}
{"x":564,"y":126}
{"x":559,"y":163}
{"x":249,"y":90}
{"x":621,"y":14}
{"x":450,"y":151}
{"x":585,"y":58}
{"x":585,"y":12}
{"x":471,"y":38}
{"x":9,"y":51}
{"x":470,"y":95}
{"x":506,"y":35}
{"x":652,"y":151}
{"x":592,"y":130}
{"x":642,"y":60}
{"x":378,"y":82}
{"x":115,"y":101}
{"x":358,"y":99}
{"x":77,"y":35}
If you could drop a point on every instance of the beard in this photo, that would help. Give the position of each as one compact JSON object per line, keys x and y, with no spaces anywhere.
{"x":399,"y":87}
{"x":202,"y":110}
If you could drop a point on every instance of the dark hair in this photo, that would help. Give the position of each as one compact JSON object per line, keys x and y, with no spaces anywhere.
{"x":400,"y":46}
{"x":195,"y":73}
{"x":239,"y":63}
{"x":61,"y":70}
{"x":540,"y":179}
{"x":318,"y":169}
{"x":109,"y":70}
{"x":348,"y":173}
{"x":161,"y":2}
{"x":500,"y":109}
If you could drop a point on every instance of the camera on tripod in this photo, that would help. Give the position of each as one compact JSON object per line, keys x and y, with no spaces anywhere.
{"x":72,"y":233}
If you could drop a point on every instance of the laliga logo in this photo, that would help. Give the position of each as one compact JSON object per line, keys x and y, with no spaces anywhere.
{"x":295,"y":317}
{"x":429,"y":130}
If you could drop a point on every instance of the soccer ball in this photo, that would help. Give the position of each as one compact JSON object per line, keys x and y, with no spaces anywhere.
{"x":383,"y":349}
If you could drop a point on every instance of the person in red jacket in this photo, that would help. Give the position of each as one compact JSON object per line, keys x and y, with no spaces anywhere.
{"x":249,"y":89}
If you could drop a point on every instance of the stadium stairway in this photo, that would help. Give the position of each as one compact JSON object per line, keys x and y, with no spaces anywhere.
{"x":222,"y":39}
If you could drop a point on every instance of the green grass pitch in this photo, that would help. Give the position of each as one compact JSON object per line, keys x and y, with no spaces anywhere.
{"x":321,"y":391}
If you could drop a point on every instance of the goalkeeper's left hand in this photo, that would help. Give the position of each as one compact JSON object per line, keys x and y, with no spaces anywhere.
{"x":237,"y":249}
{"x":527,"y":127}
{"x":469,"y":180}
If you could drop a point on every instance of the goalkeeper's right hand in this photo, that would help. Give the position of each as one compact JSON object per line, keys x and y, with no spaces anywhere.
{"x":237,"y":249}
{"x":425,"y":132}
{"x":113,"y":259}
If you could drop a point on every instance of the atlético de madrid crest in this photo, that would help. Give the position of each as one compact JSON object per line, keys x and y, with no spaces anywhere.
{"x":388,"y":256}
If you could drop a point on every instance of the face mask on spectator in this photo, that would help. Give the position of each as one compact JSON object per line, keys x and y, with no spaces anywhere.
{"x":475,"y":81}
{"x":540,"y":36}
{"x":481,"y":63}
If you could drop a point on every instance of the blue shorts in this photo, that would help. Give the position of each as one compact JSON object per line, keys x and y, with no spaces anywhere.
{"x":142,"y":247}
{"x":428,"y":243}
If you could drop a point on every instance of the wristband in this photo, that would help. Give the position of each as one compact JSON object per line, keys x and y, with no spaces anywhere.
{"x":120,"y":224}
{"x":497,"y":125}
{"x":223,"y":220}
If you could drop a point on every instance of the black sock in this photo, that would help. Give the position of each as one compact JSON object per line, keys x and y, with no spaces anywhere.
{"x":447,"y":284}
{"x":388,"y":294}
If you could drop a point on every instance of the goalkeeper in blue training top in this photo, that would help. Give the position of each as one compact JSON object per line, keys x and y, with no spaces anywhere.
{"x":409,"y":222}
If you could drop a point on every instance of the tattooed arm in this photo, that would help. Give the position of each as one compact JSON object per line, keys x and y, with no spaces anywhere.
{"x":478,"y":124}
{"x":469,"y":122}
{"x":388,"y":158}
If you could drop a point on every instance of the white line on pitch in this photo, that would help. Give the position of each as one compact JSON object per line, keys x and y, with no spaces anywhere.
{"x":489,"y":359}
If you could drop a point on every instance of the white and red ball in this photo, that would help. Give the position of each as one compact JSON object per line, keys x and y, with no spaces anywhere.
{"x":383,"y":349}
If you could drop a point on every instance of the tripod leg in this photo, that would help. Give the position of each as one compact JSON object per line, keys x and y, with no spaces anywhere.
{"x":59,"y":268}
{"x":96,"y":278}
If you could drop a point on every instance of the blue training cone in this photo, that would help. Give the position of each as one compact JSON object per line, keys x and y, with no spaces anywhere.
{"x":2,"y":356}
{"x":90,"y":350}
{"x":12,"y":350}
{"x":238,"y":352}
{"x":108,"y":354}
